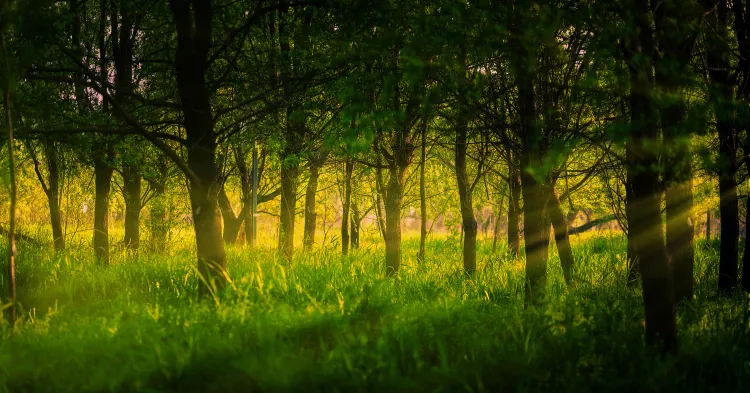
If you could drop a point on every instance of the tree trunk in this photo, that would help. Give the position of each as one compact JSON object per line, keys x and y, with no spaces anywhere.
{"x":676,"y":46}
{"x":746,"y":251}
{"x":194,"y":32}
{"x":469,"y":222}
{"x":423,"y":194}
{"x":346,"y":202}
{"x":232,"y":223}
{"x":13,"y":188}
{"x":158,"y":217}
{"x":562,"y":239}
{"x":708,"y":226}
{"x":289,"y":172}
{"x":53,"y":195}
{"x":718,"y":64}
{"x":535,"y":193}
{"x":355,"y":224}
{"x":514,"y":209}
{"x":131,"y":178}
{"x":102,"y":181}
{"x":645,"y":225}
{"x":393,"y":200}
{"x":311,"y":217}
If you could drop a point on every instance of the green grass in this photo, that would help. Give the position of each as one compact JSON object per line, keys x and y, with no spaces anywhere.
{"x":327,"y":323}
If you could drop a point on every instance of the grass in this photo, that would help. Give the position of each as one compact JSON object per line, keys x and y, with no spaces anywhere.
{"x":333,"y":324}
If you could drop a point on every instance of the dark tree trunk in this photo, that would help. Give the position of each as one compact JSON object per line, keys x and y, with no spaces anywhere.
{"x":514,"y":210}
{"x":645,"y":225}
{"x":746,"y":251}
{"x":194,"y":31}
{"x":131,"y":178}
{"x":379,"y":196}
{"x":53,"y":195}
{"x":676,"y":47}
{"x":469,"y":222}
{"x":289,"y":172}
{"x":562,"y":239}
{"x":232,"y":223}
{"x":708,"y":226}
{"x":355,"y":224}
{"x":535,"y":193}
{"x":718,"y":64}
{"x":423,"y":194}
{"x":247,"y":193}
{"x":346,"y":202}
{"x":311,"y":217}
{"x":393,"y":200}
{"x":122,"y":48}
{"x":102,"y":182}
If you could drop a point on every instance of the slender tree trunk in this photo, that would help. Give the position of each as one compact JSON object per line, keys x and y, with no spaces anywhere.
{"x":676,"y":47}
{"x":13,"y":186}
{"x":746,"y":251}
{"x":289,"y":172}
{"x":355,"y":224}
{"x":53,"y":195}
{"x":718,"y":64}
{"x":393,"y":200}
{"x":131,"y":178}
{"x":708,"y":225}
{"x":562,"y":239}
{"x":423,"y":194}
{"x":514,"y":209}
{"x":102,"y":181}
{"x":469,"y":222}
{"x":645,"y":224}
{"x":346,"y":202}
{"x":246,"y":193}
{"x":535,"y":193}
{"x":311,"y":217}
{"x":158,"y":217}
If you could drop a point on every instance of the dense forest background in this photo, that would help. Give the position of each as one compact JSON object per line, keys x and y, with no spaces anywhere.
{"x":354,"y":192}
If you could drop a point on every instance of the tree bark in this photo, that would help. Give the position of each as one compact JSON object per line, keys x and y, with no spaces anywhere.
{"x":11,"y":311}
{"x":675,"y":49}
{"x":393,"y":201}
{"x":194,"y":33}
{"x":535,"y":193}
{"x":469,"y":222}
{"x":355,"y":225}
{"x":746,"y":251}
{"x":645,"y":225}
{"x":562,"y":239}
{"x":52,"y":191}
{"x":289,"y":173}
{"x":311,"y":216}
{"x":232,"y":223}
{"x":718,"y":64}
{"x":346,"y":202}
{"x":423,"y":194}
{"x":102,"y":182}
{"x":131,"y":178}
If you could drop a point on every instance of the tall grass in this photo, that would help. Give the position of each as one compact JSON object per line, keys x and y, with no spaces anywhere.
{"x":323,"y":322}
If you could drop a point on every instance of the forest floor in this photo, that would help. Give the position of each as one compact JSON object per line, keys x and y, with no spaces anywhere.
{"x":334,"y":324}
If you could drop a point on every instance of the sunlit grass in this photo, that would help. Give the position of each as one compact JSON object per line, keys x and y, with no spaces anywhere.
{"x":323,"y":322}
